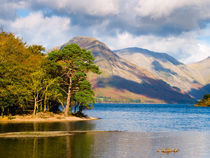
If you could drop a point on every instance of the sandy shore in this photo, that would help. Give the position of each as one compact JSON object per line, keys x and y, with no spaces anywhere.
{"x":43,"y":117}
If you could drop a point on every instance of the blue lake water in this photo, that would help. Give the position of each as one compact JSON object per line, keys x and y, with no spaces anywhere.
{"x":151,"y":117}
{"x":144,"y":129}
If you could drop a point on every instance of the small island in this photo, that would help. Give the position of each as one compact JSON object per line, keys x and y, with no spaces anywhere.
{"x":205,"y":102}
{"x":44,"y":87}
{"x":44,"y":117}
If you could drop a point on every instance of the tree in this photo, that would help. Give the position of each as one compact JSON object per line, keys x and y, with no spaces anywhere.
{"x":205,"y":101}
{"x":36,"y":49}
{"x":84,"y":97}
{"x":16,"y":65}
{"x":30,"y":80}
{"x":44,"y":87}
{"x":71,"y":60}
{"x":23,"y":80}
{"x":206,"y":96}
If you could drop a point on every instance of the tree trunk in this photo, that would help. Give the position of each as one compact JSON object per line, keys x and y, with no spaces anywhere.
{"x":45,"y":103}
{"x":66,"y":112}
{"x":41,"y":106}
{"x":62,"y":104}
{"x":45,"y":99}
{"x":35,"y":106}
{"x":2,"y":111}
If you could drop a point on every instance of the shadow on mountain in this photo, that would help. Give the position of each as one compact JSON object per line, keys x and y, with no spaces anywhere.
{"x":150,"y":87}
{"x":158,"y":67}
{"x":199,"y":93}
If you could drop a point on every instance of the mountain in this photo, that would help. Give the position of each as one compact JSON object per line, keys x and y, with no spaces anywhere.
{"x":163,"y":67}
{"x":161,"y":56}
{"x":122,"y":80}
{"x":203,"y":69}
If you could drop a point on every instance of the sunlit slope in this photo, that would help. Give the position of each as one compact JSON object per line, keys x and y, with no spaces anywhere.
{"x":163,"y":67}
{"x":202,"y":69}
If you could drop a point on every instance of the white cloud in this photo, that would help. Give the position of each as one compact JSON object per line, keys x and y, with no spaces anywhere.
{"x":162,"y":8}
{"x":8,"y":8}
{"x":171,"y":26}
{"x":201,"y":52}
{"x":91,"y":7}
{"x":37,"y":29}
{"x":184,"y":47}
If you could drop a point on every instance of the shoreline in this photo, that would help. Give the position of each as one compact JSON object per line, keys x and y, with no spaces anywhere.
{"x":43,"y":118}
{"x":203,"y":105}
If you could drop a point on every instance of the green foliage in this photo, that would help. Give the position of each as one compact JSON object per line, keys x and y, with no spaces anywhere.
{"x":205,"y":101}
{"x":41,"y":89}
{"x":11,"y":117}
{"x":22,"y":76}
{"x":73,"y":58}
{"x":84,"y":96}
{"x":36,"y":49}
{"x":29,"y":80}
{"x":16,"y":65}
{"x":206,"y":96}
{"x":73,"y":63}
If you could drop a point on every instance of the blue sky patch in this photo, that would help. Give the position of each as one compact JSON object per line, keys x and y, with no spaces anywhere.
{"x":23,"y":13}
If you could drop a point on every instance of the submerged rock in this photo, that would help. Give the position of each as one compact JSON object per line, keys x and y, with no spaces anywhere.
{"x":168,"y":150}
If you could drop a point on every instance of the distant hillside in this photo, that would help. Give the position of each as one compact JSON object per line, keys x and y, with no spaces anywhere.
{"x":203,"y":69}
{"x":163,"y":67}
{"x":123,"y":80}
{"x":160,"y":56}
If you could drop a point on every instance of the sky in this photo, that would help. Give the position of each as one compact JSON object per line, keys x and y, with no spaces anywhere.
{"x":180,"y":28}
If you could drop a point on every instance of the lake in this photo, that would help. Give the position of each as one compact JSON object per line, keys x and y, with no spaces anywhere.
{"x":144,"y":128}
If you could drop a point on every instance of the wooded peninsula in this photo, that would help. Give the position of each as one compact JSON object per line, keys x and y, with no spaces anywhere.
{"x":205,"y":101}
{"x":32,"y":81}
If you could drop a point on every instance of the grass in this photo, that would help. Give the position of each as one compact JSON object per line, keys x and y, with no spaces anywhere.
{"x":11,"y":117}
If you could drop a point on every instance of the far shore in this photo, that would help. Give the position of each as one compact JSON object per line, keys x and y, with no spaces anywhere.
{"x":201,"y":105}
{"x":42,"y":118}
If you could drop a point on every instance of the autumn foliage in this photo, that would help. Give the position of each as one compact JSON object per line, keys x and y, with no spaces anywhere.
{"x":31,"y":81}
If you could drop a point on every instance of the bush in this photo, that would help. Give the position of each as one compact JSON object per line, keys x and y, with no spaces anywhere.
{"x":11,"y":117}
{"x":206,"y":96}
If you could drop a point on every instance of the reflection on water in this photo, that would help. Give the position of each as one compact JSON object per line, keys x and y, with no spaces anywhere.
{"x":109,"y":145}
{"x":58,"y":126}
{"x":69,"y":146}
{"x":58,"y":147}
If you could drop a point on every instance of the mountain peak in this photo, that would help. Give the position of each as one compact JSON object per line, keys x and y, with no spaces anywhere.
{"x":88,"y":42}
{"x":104,"y":57}
{"x":87,"y":38}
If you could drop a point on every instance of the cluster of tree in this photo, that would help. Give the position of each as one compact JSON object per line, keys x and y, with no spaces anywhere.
{"x":33,"y":81}
{"x":205,"y":101}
